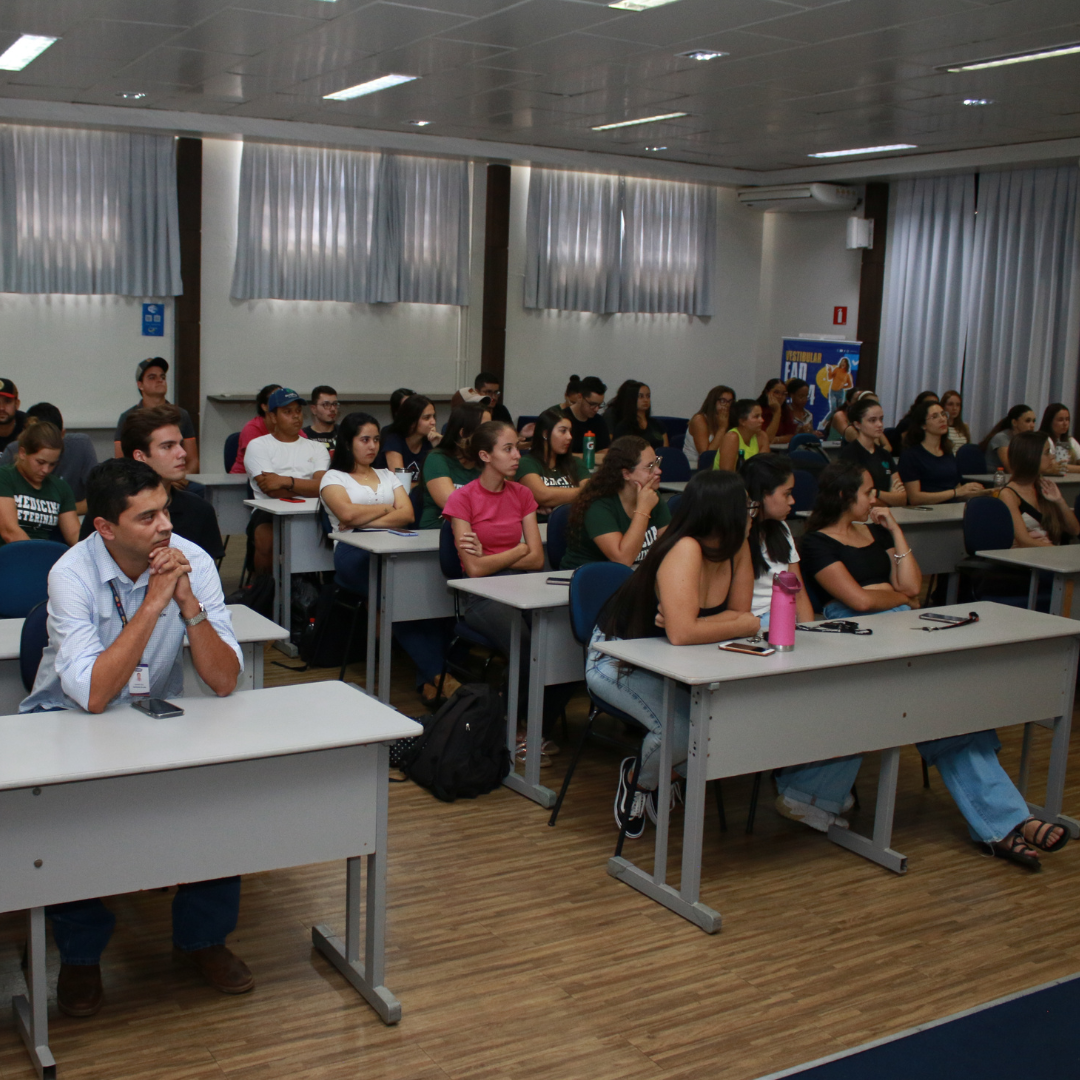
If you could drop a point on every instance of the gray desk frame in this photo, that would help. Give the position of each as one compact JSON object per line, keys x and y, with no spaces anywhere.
{"x":1063,"y":561}
{"x":928,"y":686}
{"x":226,"y":493}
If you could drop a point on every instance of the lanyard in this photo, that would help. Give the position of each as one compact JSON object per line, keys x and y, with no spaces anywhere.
{"x":119,"y":605}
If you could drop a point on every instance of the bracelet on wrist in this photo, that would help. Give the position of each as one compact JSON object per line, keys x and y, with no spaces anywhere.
{"x":901,"y":555}
{"x":642,"y":513}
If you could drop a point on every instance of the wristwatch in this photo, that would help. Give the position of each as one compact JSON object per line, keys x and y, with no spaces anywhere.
{"x":195,"y":619}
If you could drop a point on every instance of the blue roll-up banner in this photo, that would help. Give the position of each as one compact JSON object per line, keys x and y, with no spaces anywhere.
{"x":830,"y":367}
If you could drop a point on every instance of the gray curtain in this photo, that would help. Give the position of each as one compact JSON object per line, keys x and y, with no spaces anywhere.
{"x":88,"y":212}
{"x":606,"y":244}
{"x":1024,"y":309}
{"x":351,"y":225}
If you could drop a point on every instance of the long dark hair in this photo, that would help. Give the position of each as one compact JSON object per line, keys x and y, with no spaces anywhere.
{"x":541,"y":446}
{"x":408,"y":415}
{"x":838,"y":488}
{"x":712,"y":511}
{"x":1025,"y":460}
{"x":763,"y":397}
{"x":916,"y":429}
{"x":1006,"y":421}
{"x":762,"y":475}
{"x":262,"y":398}
{"x":1046,"y":427}
{"x":624,"y":453}
{"x":347,"y":431}
{"x":623,"y":408}
{"x":708,"y":406}
{"x":464,"y":420}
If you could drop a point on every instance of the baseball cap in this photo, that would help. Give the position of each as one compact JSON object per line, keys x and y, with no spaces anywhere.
{"x":469,"y":396}
{"x":153,"y":361}
{"x":7,"y":389}
{"x":283,"y":396}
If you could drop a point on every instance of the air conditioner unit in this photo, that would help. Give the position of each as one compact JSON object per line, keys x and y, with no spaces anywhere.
{"x":802,"y":198}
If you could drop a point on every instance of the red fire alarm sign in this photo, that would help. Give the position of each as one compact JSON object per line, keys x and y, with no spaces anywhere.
{"x":839,"y":316}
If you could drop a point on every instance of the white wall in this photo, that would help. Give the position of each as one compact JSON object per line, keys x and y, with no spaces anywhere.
{"x":356,"y":348}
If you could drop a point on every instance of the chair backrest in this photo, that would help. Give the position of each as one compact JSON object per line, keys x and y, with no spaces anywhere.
{"x":416,"y":497}
{"x":987,"y":525}
{"x":807,"y":458}
{"x":970,"y":460}
{"x":895,"y":439}
{"x":802,"y":439}
{"x":705,"y":460}
{"x":672,"y":504}
{"x":523,"y":420}
{"x":590,"y":589}
{"x":675,"y":426}
{"x":24,"y":570}
{"x":673,"y":464}
{"x":232,"y":448}
{"x":449,"y":561}
{"x":325,"y":523}
{"x":558,"y":527}
{"x":35,"y":636}
{"x":805,"y":489}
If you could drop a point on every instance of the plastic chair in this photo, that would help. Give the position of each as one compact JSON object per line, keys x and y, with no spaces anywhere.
{"x":673,"y":464}
{"x":970,"y":460}
{"x":987,"y":527}
{"x":35,"y":636}
{"x":705,"y":460}
{"x":24,"y":570}
{"x":558,"y":527}
{"x":805,"y":438}
{"x":805,"y":490}
{"x":232,"y":448}
{"x":416,"y":497}
{"x":349,"y":594}
{"x":675,"y":426}
{"x":523,"y":420}
{"x":673,"y":502}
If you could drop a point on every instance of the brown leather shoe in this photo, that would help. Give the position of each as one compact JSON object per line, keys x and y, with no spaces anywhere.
{"x":222,"y":970}
{"x":78,"y":990}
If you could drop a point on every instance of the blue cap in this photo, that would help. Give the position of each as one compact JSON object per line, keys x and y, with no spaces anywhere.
{"x":283,"y":396}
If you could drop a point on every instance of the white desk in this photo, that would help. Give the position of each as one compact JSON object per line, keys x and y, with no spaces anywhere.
{"x":101,"y":805}
{"x":675,"y":486}
{"x":901,"y":686}
{"x":1061,"y":561}
{"x":405,"y":575}
{"x":936,"y":535}
{"x":226,"y":493}
{"x":554,"y":657}
{"x":251,"y":629}
{"x":1070,"y":482}
{"x":298,"y":549}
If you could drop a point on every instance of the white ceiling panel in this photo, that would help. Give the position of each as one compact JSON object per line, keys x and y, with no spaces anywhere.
{"x":109,"y":40}
{"x":244,"y":32}
{"x":566,"y":53}
{"x":473,"y":9}
{"x":186,"y":67}
{"x":533,"y":21}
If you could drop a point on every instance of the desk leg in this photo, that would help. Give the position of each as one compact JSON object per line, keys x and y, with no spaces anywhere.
{"x":32,"y":1017}
{"x":386,"y":626}
{"x":1061,"y":595}
{"x":283,"y":527}
{"x":366,"y":973}
{"x":952,"y":590}
{"x":1033,"y":591}
{"x":878,"y":849}
{"x":376,"y":598}
{"x":528,"y":785}
{"x":685,"y":901}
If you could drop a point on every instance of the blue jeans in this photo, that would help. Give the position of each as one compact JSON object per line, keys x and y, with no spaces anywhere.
{"x":204,"y":914}
{"x":640,"y":694}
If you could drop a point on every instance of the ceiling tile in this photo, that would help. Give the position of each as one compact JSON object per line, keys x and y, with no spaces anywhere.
{"x":58,"y":69}
{"x":186,"y":67}
{"x":244,"y":32}
{"x":473,"y":9}
{"x":533,"y":21}
{"x":565,"y":53}
{"x":846,"y":20}
{"x":108,"y":40}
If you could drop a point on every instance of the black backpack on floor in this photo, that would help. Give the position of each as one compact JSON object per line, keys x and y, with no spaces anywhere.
{"x":462,"y":752}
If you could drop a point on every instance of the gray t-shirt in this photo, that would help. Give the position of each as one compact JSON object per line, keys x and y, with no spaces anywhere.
{"x":76,"y":460}
{"x":999,"y":441}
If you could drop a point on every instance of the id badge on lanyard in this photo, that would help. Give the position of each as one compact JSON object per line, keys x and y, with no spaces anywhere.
{"x":139,"y":681}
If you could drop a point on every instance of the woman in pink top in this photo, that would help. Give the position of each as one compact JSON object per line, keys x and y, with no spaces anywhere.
{"x":495,"y":531}
{"x":255,"y":427}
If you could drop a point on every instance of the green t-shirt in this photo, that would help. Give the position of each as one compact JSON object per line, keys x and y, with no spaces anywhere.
{"x":530,"y":466}
{"x":436,"y":465}
{"x":608,"y":516}
{"x":38,"y":509}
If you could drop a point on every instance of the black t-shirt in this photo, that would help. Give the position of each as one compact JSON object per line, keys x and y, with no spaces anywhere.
{"x":934,"y":472}
{"x":501,"y":413}
{"x":327,"y":438}
{"x":653,"y":434}
{"x":879,"y":464}
{"x":413,"y":462}
{"x":870,"y":565}
{"x":16,"y":431}
{"x":578,"y":428}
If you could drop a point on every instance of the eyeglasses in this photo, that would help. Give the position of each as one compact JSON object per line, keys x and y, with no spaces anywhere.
{"x":752,"y":507}
{"x":594,"y":405}
{"x":651,"y":465}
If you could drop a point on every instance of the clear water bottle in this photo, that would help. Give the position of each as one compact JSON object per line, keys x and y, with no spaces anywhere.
{"x":999,"y":479}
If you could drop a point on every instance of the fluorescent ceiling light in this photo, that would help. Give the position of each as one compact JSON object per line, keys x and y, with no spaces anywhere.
{"x":702,"y":54}
{"x":643,"y":120}
{"x":978,"y":101}
{"x":131,"y":95}
{"x":28,"y":47}
{"x":654,"y":149}
{"x":383,"y":82}
{"x":864,"y":150}
{"x":1022,"y":58}
{"x":639,"y":5}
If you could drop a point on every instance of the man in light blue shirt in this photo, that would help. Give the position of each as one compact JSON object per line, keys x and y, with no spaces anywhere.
{"x":120,"y":603}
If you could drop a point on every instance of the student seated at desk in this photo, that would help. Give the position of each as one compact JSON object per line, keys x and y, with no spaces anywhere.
{"x":927,"y":465}
{"x":996,"y":444}
{"x":777,"y":421}
{"x":1056,"y":421}
{"x":549,"y":470}
{"x":34,"y":504}
{"x":770,"y":482}
{"x":452,"y":463}
{"x":1040,"y":514}
{"x":620,"y":514}
{"x":745,"y":439}
{"x":631,"y":414}
{"x":256,"y":427}
{"x":867,"y":569}
{"x":120,"y":604}
{"x":869,"y":451}
{"x":412,"y":435}
{"x":695,"y":586}
{"x":959,"y":432}
{"x":905,"y":421}
{"x":150,"y":378}
{"x":357,"y":496}
{"x":709,"y":424}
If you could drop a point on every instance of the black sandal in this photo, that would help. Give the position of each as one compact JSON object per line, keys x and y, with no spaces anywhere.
{"x":1016,"y":849}
{"x":1042,"y":831}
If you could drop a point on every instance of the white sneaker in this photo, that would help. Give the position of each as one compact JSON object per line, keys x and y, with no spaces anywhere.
{"x":808,"y":814}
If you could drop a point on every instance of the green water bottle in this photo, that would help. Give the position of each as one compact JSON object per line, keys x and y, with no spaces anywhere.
{"x":589,"y":450}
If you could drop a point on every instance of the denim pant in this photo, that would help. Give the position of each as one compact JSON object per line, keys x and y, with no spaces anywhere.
{"x":640,"y":694}
{"x":204,"y":914}
{"x":424,"y":640}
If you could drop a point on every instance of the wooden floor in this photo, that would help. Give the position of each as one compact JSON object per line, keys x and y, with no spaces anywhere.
{"x":515,"y":955}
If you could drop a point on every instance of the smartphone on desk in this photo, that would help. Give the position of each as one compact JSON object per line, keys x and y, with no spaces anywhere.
{"x":157,"y":707}
{"x":558,"y":581}
{"x":747,"y":647}
{"x":948,"y":620}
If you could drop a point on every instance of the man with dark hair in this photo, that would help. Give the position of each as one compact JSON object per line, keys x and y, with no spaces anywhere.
{"x":77,"y":458}
{"x":153,"y":386}
{"x":153,"y":437}
{"x":583,"y":417}
{"x":12,"y":421}
{"x":120,"y":604}
{"x":324,"y":413}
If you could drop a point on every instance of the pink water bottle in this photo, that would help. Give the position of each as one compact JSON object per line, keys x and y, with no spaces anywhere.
{"x":782,"y":611}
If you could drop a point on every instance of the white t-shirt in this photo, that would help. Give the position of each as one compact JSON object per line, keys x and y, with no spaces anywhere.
{"x":302,"y":459}
{"x":360,"y":494}
{"x":762,"y":599}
